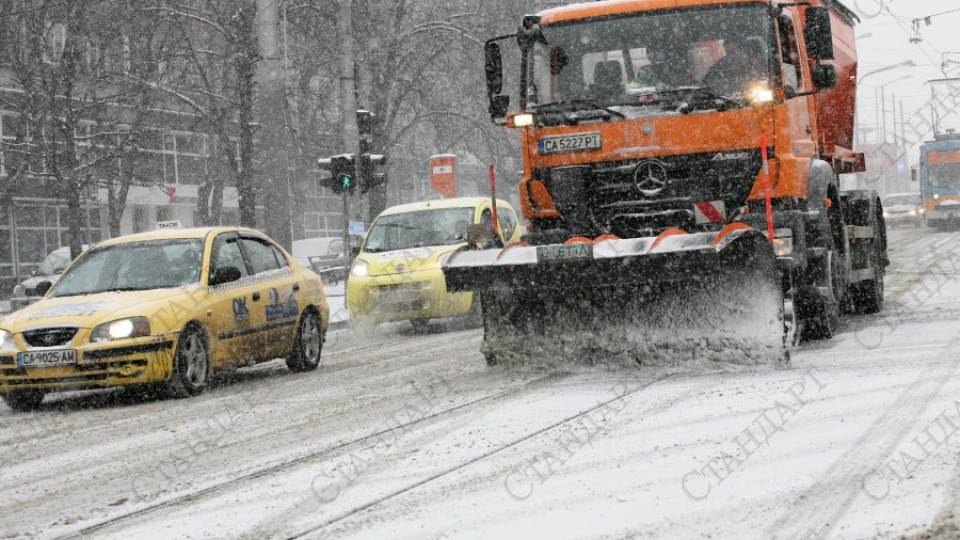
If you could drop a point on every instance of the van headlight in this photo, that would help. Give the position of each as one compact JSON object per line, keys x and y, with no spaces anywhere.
{"x":6,"y":341}
{"x":121,"y":329}
{"x":360,"y":268}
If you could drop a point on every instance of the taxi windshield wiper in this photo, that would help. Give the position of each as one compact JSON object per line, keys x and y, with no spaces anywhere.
{"x":577,"y":105}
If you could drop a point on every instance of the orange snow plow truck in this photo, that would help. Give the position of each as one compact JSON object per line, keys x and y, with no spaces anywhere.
{"x":681,"y":182}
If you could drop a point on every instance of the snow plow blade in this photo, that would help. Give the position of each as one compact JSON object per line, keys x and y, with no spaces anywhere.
{"x":660,"y":300}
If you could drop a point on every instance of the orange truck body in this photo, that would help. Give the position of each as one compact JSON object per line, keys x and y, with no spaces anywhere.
{"x":819,"y":125}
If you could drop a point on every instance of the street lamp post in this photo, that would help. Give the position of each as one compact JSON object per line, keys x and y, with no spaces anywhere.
{"x":861,"y":78}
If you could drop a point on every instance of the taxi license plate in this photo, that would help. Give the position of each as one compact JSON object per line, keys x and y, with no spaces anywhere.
{"x":565,"y":253}
{"x":570,"y":143}
{"x":56,"y":357}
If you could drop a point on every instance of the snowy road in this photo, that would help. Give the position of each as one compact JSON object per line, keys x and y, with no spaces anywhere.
{"x":412,"y":436}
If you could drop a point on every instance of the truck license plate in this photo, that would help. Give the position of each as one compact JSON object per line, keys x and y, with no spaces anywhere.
{"x":56,"y":357}
{"x":559,"y":252}
{"x":577,"y":142}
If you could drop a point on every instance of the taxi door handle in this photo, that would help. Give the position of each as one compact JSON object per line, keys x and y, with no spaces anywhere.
{"x":296,"y":287}
{"x":256,"y":297}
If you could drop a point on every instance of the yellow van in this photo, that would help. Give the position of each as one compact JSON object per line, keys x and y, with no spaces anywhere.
{"x":396,"y":276}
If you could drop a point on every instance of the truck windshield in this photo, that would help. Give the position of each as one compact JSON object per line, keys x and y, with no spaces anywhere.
{"x":420,"y":228}
{"x":718,"y":54}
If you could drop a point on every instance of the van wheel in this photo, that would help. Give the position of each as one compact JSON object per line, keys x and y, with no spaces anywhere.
{"x":191,"y":365}
{"x":23,"y":400}
{"x":307,"y":347}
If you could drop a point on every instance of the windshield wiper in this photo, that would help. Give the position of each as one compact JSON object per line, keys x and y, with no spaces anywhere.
{"x":577,"y":104}
{"x":702,"y":92}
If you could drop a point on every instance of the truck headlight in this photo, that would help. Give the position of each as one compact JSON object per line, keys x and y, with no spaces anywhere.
{"x":761,"y":95}
{"x":121,"y":329}
{"x":360,"y":268}
{"x":6,"y":341}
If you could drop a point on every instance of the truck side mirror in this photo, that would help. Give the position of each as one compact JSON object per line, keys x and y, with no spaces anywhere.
{"x":818,"y":34}
{"x":493,"y":66}
{"x":824,"y":76}
{"x":499,"y":106}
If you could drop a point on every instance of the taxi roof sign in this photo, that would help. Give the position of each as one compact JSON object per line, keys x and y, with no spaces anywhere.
{"x":173,"y":224}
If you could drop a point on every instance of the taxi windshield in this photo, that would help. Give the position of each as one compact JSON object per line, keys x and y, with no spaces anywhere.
{"x":439,"y":227}
{"x":133,"y":266}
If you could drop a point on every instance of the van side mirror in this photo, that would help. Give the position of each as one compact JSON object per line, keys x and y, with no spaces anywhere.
{"x":224,"y":274}
{"x":482,"y":235}
{"x":818,"y":34}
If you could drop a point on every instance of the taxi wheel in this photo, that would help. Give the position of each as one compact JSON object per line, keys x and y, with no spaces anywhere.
{"x":23,"y":400}
{"x":306,"y":350}
{"x":191,"y":365}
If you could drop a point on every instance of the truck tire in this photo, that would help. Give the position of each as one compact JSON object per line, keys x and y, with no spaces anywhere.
{"x":866,"y":296}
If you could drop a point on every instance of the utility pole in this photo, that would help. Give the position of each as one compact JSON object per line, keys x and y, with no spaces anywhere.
{"x":274,"y":178}
{"x":348,"y":114}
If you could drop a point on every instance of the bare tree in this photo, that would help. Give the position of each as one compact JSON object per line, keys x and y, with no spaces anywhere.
{"x":74,"y":114}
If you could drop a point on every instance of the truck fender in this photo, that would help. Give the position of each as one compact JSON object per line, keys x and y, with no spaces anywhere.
{"x":818,"y":186}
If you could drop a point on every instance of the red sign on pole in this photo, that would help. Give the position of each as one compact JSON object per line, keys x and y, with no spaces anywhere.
{"x":443,"y":174}
{"x":172,"y":194}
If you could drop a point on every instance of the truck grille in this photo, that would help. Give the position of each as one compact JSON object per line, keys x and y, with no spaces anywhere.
{"x":53,"y":336}
{"x":605,"y":197}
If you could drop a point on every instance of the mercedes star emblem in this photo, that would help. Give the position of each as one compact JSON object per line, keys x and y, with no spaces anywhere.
{"x":651,"y":178}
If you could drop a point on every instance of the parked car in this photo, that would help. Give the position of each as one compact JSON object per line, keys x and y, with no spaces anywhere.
{"x":167,"y":307}
{"x":25,"y":293}
{"x":324,"y":255}
{"x":397,"y":276}
{"x":904,"y":209}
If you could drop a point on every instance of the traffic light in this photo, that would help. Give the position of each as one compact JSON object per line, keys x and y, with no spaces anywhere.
{"x":370,"y":175}
{"x":341,"y":173}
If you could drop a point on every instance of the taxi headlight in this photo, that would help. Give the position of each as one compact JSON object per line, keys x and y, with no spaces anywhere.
{"x":360,"y":268}
{"x":6,"y":341}
{"x":121,"y":329}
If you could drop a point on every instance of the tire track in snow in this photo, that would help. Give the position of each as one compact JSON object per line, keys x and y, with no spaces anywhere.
{"x":325,"y":453}
{"x":819,"y":507}
{"x":565,"y":421}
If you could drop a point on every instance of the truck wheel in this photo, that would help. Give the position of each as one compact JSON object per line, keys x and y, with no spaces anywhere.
{"x":307,"y":347}
{"x":191,"y":365}
{"x":492,"y":359}
{"x":419,"y":325}
{"x":791,"y":314}
{"x":818,"y":312}
{"x":23,"y":400}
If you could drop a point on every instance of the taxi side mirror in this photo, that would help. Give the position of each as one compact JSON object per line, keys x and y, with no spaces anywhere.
{"x":43,"y":287}
{"x":224,"y":274}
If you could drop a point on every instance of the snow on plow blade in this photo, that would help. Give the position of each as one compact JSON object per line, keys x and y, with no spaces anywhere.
{"x":662,"y":301}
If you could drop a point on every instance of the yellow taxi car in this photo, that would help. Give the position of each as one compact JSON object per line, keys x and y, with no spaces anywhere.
{"x":396,"y":276}
{"x":167,"y":307}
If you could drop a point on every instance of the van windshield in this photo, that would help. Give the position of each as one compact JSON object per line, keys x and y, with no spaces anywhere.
{"x":420,"y":228}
